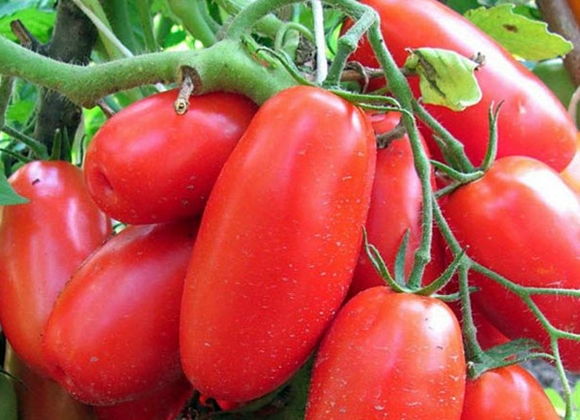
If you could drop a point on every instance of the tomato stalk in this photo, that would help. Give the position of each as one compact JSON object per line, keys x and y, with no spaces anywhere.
{"x":194,"y":19}
{"x":86,"y":85}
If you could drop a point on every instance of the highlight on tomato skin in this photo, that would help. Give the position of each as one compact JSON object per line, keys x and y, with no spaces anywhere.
{"x":389,"y":355}
{"x":532,"y":120}
{"x":42,"y":242}
{"x":283,"y":230}
{"x":507,"y":393}
{"x":113,"y":334}
{"x":147,"y":164}
{"x":521,"y":203}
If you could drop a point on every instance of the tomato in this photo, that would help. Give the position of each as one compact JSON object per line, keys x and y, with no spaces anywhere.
{"x":277,"y":245}
{"x":571,"y":173}
{"x":389,"y":356}
{"x":41,"y":243}
{"x":42,"y":398}
{"x":162,"y":404}
{"x":147,"y":164}
{"x":396,"y":205}
{"x":113,"y":333}
{"x":506,"y":393}
{"x":522,"y":221}
{"x":532,"y":121}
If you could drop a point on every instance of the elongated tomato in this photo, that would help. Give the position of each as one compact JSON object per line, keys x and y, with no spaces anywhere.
{"x":522,"y":221}
{"x":41,"y":244}
{"x":113,"y":333}
{"x":532,"y":121}
{"x":395,"y":210}
{"x":389,"y":356}
{"x":277,"y":244}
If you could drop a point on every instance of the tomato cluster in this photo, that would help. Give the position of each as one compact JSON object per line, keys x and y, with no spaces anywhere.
{"x":214,"y":253}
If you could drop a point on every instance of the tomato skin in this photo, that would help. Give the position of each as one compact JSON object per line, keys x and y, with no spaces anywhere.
{"x":113,"y":334}
{"x":571,"y":173}
{"x":42,"y":398}
{"x":395,"y":209}
{"x":41,"y":243}
{"x":163,"y":404}
{"x":282,"y":229}
{"x":532,"y":121}
{"x":507,"y":393}
{"x":522,"y":221}
{"x":389,"y":356}
{"x":148,"y":164}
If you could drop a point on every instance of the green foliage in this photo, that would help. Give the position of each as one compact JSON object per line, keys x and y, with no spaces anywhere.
{"x":445,"y":77}
{"x":37,"y":15}
{"x":556,"y":399}
{"x":521,"y":36}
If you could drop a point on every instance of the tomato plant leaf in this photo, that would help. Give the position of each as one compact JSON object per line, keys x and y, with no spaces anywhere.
{"x":7,"y":194}
{"x":445,"y":77}
{"x":39,"y":22}
{"x":523,"y":37}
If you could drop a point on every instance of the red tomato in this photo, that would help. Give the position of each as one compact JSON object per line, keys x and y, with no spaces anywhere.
{"x":113,"y":333}
{"x":507,"y":393}
{"x":389,"y":356}
{"x":41,"y":244}
{"x":162,"y":404}
{"x":277,"y":244}
{"x":532,"y":121}
{"x":396,"y":204}
{"x":42,"y":398}
{"x":522,"y":221}
{"x":147,"y":164}
{"x":571,"y":173}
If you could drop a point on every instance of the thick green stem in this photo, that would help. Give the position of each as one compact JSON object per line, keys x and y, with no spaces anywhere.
{"x":144,"y":12}
{"x":5,"y":92}
{"x":86,"y":85}
{"x":188,"y":11}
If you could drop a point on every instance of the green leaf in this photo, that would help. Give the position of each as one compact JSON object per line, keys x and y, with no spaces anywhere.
{"x":523,"y":37}
{"x":7,"y":194}
{"x":38,"y":22}
{"x":463,"y":6}
{"x":445,"y":77}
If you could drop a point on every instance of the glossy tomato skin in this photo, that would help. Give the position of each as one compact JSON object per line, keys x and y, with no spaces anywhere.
{"x":389,"y":356}
{"x":282,"y":230}
{"x":507,"y":393}
{"x":532,"y":121}
{"x":147,"y":164}
{"x":41,"y":398}
{"x":395,"y":209}
{"x":522,"y":221}
{"x":42,"y":243}
{"x":113,"y":333}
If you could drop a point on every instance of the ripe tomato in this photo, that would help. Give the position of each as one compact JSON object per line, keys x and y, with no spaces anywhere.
{"x":277,"y":245}
{"x":162,"y":404}
{"x":395,"y":209}
{"x":506,"y":393}
{"x":147,"y":164}
{"x":532,"y":121}
{"x":522,"y":221}
{"x":113,"y":333}
{"x":571,"y":173}
{"x":42,"y":398}
{"x":389,"y":356}
{"x":41,"y":243}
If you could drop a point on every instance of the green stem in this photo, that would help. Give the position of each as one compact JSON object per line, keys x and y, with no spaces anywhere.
{"x":6,"y":84}
{"x":144,"y":12}
{"x":38,"y":149}
{"x":85,"y":85}
{"x":117,"y":15}
{"x":268,"y":25}
{"x":188,"y":11}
